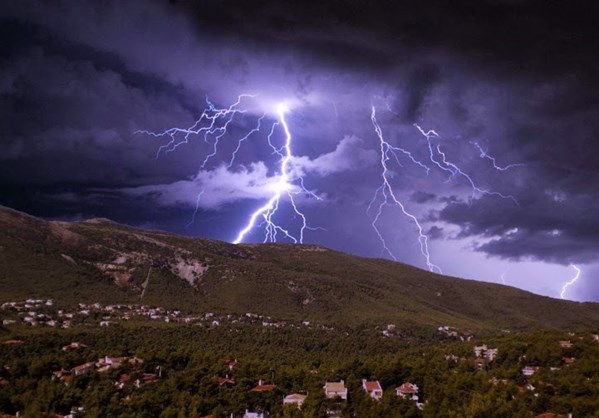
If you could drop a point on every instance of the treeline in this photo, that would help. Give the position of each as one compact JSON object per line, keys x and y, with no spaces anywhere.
{"x":185,"y":363}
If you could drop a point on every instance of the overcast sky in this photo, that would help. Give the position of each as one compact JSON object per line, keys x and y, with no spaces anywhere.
{"x":506,"y":190}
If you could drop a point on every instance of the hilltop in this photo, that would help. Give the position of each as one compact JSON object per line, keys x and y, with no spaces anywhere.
{"x":102,"y":261}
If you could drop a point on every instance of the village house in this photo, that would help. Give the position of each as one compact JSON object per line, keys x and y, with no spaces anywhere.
{"x":262,"y":387}
{"x":566,"y":344}
{"x":373,"y":388}
{"x":529,"y":371}
{"x":222,"y":381}
{"x":334,"y":389}
{"x":408,"y":391}
{"x":60,"y":374}
{"x":295,"y":399}
{"x":486,"y":352}
{"x":249,"y":414}
{"x":74,"y":346}
{"x":568,"y":360}
{"x":82,"y":369}
{"x":107,"y":363}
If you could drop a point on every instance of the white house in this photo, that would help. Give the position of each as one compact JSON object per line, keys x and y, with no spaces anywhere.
{"x":295,"y":398}
{"x":333,"y":389}
{"x":407,"y":390}
{"x":249,"y":414}
{"x":373,"y":388}
{"x":529,"y":371}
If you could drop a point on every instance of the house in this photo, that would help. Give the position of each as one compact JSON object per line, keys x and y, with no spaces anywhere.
{"x":249,"y":414}
{"x":566,"y":344}
{"x":334,"y":389}
{"x":74,"y":346}
{"x":529,"y":371}
{"x":262,"y":387}
{"x":295,"y":398}
{"x":479,"y":350}
{"x":373,"y":388}
{"x":568,"y":360}
{"x":82,"y":368}
{"x":486,"y":352}
{"x":60,"y":374}
{"x":222,"y":381}
{"x":595,"y":337}
{"x":407,"y":390}
{"x":124,"y":380}
{"x":231,"y":363}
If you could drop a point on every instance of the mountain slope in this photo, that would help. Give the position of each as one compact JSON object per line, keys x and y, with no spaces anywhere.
{"x":102,"y":261}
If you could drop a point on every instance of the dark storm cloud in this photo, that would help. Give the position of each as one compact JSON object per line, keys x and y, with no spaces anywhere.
{"x":533,"y":37}
{"x":556,"y":227}
{"x":519,"y":78}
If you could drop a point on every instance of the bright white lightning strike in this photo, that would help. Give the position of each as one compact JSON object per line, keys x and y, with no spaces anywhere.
{"x":213,"y":125}
{"x":283,"y":185}
{"x":389,"y":197}
{"x":571,"y":281}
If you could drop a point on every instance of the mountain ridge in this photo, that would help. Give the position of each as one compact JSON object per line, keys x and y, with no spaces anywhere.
{"x":100,"y":260}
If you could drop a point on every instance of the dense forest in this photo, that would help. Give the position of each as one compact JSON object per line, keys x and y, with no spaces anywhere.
{"x":143,"y":369}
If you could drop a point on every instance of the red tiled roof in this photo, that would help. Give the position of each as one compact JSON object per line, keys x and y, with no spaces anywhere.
{"x":372,"y":385}
{"x":83,"y":366}
{"x":407,"y":387}
{"x":225,"y":381}
{"x":263,"y":388}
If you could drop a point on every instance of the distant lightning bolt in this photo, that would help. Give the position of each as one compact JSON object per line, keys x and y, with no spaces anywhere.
{"x":212,"y":123}
{"x":570,"y":282}
{"x":285,"y":185}
{"x":483,"y":154}
{"x":503,"y":276}
{"x":444,"y":164}
{"x":389,"y":198}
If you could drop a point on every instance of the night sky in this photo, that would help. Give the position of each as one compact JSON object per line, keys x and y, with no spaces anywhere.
{"x":507,"y":192}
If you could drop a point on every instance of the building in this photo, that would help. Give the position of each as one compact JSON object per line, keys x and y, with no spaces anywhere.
{"x":407,"y":390}
{"x":334,"y":389}
{"x":262,"y":387}
{"x":82,"y":369}
{"x":295,"y":399}
{"x":529,"y":371}
{"x":373,"y":388}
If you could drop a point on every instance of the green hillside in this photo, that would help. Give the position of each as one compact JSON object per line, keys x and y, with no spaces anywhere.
{"x":101,"y":261}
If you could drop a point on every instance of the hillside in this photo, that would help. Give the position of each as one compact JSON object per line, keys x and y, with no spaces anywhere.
{"x":101,"y":261}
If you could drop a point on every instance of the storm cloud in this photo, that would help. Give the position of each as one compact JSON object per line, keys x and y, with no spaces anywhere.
{"x":511,"y":88}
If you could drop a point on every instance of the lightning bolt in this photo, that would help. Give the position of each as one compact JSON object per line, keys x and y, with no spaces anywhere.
{"x":483,"y":154}
{"x":388,"y":197}
{"x":284,"y":185}
{"x":452,"y":168}
{"x":571,"y":281}
{"x":503,"y":276}
{"x":212,"y":125}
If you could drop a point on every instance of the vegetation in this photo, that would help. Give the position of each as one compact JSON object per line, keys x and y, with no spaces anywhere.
{"x":186,"y":362}
{"x":100,"y":261}
{"x":194,"y":325}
